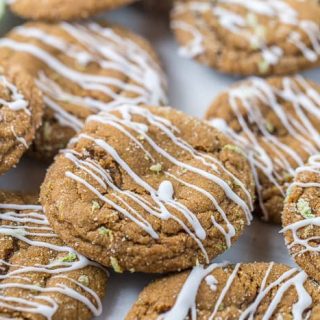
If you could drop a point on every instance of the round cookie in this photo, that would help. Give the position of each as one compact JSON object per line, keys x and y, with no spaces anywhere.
{"x":277,"y":122}
{"x":234,"y":292}
{"x":41,"y":278}
{"x":149,"y":189}
{"x":301,"y":217}
{"x":20,"y":115}
{"x":56,"y":10}
{"x":81,"y":70}
{"x":258,"y":37}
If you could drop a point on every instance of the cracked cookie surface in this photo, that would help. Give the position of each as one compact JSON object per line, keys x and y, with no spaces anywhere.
{"x":56,"y":10}
{"x":149,"y":189}
{"x":42,"y":278}
{"x":82,"y":69}
{"x":276,"y":121}
{"x":221,"y":291}
{"x":255,"y":37}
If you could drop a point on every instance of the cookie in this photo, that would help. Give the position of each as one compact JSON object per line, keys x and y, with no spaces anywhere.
{"x":234,"y":292}
{"x":20,"y":115}
{"x":149,"y":189}
{"x":277,"y":122}
{"x":41,"y":278}
{"x":56,"y":10}
{"x":301,"y":217}
{"x":82,"y":69}
{"x":273,"y":37}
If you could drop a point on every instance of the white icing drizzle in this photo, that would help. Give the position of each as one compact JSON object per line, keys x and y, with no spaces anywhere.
{"x":248,"y":27}
{"x":163,"y":201}
{"x":21,"y":140}
{"x":186,"y":299}
{"x":24,"y":227}
{"x":195,"y":47}
{"x":165,"y":191}
{"x":185,"y":303}
{"x":224,"y":291}
{"x":299,"y":243}
{"x":99,"y":45}
{"x":212,"y":282}
{"x":17,"y":100}
{"x":306,"y":103}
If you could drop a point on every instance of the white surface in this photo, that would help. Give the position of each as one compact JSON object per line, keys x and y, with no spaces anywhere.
{"x":192,"y":88}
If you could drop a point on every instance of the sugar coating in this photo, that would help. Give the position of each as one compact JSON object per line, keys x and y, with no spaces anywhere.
{"x":40,"y":275}
{"x":57,"y":10}
{"x":169,"y":195}
{"x":243,"y":291}
{"x":82,"y":69}
{"x":239,"y":37}
{"x":301,"y":217}
{"x":276,"y":122}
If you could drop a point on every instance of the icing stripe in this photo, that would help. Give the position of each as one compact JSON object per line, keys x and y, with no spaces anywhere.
{"x":94,"y":44}
{"x":186,"y":300}
{"x":260,"y":143}
{"x":24,"y":227}
{"x":185,"y":303}
{"x":248,"y":27}
{"x":300,"y":243}
{"x":17,"y":100}
{"x":163,"y":205}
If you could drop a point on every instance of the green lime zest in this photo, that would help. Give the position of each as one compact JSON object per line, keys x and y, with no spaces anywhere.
{"x":70,"y":257}
{"x":304,"y":209}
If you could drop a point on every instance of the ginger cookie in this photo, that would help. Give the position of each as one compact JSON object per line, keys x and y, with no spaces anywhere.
{"x":41,"y":278}
{"x":234,"y":292}
{"x":81,"y":70}
{"x":149,"y":189}
{"x":20,"y":115}
{"x":277,"y":122}
{"x":57,"y":10}
{"x":301,"y":217}
{"x":256,"y":37}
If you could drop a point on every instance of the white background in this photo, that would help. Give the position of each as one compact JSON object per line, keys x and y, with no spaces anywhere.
{"x":192,"y":87}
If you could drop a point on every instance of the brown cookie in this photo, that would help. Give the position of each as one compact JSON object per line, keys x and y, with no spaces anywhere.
{"x":41,"y":278}
{"x":301,"y":217}
{"x":20,"y":115}
{"x":231,"y":292}
{"x":259,"y":37}
{"x":149,"y":189}
{"x":56,"y":10}
{"x":277,"y":122}
{"x":81,"y":70}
